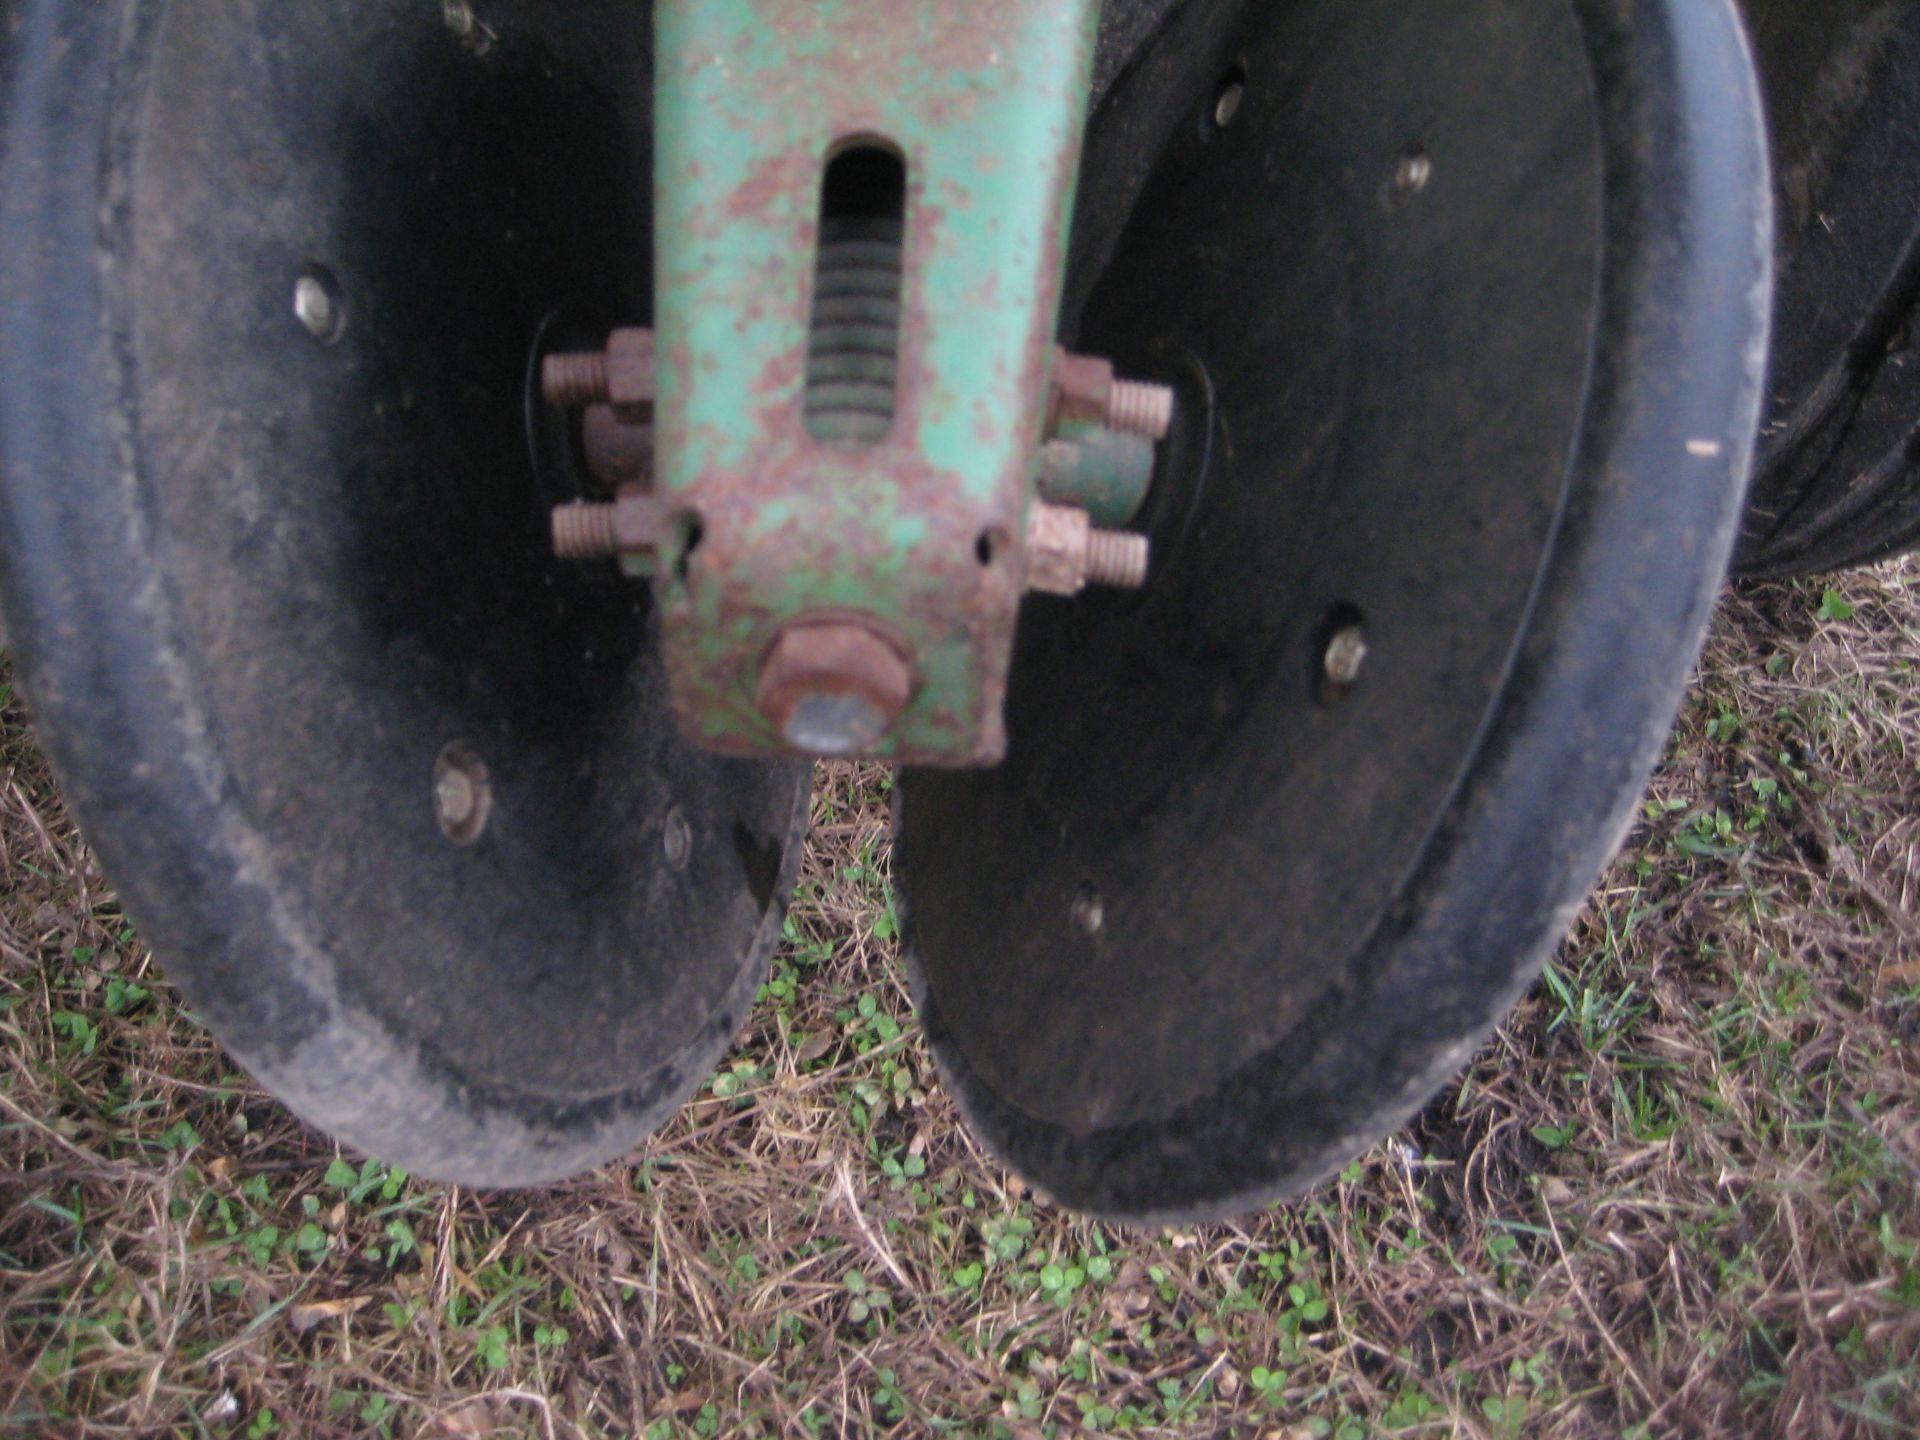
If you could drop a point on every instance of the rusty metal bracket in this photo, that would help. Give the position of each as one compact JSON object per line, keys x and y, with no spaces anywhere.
{"x":918,"y":535}
{"x":830,"y":453}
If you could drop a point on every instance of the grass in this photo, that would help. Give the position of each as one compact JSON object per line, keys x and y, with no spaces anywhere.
{"x":1676,"y":1194}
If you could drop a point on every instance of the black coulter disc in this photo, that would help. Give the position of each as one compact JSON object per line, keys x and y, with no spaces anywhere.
{"x":1467,"y":305}
{"x":269,"y":575}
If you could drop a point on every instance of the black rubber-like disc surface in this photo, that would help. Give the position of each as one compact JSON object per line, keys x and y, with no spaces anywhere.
{"x":260,"y":573}
{"x":1467,"y":306}
{"x":1837,"y":477}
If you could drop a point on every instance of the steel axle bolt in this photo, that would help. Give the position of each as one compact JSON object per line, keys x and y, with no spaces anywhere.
{"x":1065,"y":553}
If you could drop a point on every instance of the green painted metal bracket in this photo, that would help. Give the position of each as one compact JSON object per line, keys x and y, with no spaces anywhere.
{"x":915,"y":535}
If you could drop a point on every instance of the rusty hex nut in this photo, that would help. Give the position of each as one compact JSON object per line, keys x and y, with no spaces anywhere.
{"x":833,"y":688}
{"x":1082,"y":386}
{"x":622,"y":376}
{"x":1066,"y":553}
{"x":1057,"y":540}
{"x":639,"y":519}
{"x":632,"y":523}
{"x":630,"y":374}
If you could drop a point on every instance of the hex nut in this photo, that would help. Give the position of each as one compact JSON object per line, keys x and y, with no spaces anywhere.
{"x":1066,"y":553}
{"x":631,"y":375}
{"x":1082,"y":387}
{"x":1057,"y":538}
{"x":833,"y":687}
{"x":632,"y":523}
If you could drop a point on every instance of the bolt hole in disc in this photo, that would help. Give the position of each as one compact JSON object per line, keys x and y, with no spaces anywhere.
{"x":462,"y":793}
{"x":1412,"y":172}
{"x":1339,"y":653}
{"x":1230,"y":94}
{"x":318,"y":305}
{"x":486,"y":962}
{"x":1340,"y":775}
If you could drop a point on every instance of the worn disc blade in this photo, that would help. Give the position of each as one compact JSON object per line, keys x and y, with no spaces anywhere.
{"x":1466,"y":305}
{"x":274,"y":561}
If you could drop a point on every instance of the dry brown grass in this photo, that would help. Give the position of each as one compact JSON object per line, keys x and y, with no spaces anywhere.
{"x":1676,"y":1195}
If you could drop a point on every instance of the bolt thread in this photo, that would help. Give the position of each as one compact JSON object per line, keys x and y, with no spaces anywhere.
{"x":1138,"y":408}
{"x":576,"y":379}
{"x":1117,"y":558}
{"x":585,"y":532}
{"x":854,"y":343}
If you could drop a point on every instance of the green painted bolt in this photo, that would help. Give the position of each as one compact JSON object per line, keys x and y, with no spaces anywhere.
{"x":1102,"y":471}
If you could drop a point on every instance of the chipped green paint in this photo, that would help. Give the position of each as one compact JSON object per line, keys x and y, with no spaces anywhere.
{"x":985,"y":102}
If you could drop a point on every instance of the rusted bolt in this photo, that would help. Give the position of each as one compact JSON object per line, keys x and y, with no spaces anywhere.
{"x":1117,"y":559}
{"x":585,"y":531}
{"x":622,"y":376}
{"x":630,"y":374}
{"x":1346,"y":654}
{"x":462,"y":793}
{"x":1135,"y":407}
{"x":579,"y":378}
{"x":1086,"y":390}
{"x":1065,"y":553}
{"x":1081,"y":387}
{"x":833,"y":688}
{"x":632,"y":522}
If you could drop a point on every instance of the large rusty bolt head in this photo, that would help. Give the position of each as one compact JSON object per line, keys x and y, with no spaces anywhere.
{"x":833,"y":688}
